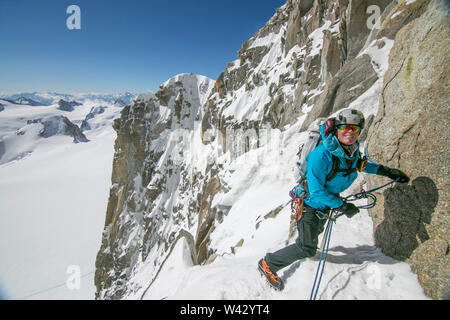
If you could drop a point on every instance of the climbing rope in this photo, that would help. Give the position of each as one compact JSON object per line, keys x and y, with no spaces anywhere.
{"x":332,"y":216}
{"x":50,"y":288}
{"x":367,"y":195}
{"x":323,"y":257}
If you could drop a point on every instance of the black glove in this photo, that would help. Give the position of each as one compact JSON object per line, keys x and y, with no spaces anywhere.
{"x":349,"y":209}
{"x":393,"y":174}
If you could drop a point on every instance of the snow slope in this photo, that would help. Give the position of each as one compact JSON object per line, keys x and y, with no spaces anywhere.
{"x":52,"y":205}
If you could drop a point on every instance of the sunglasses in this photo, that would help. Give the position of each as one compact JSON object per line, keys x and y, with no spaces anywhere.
{"x":349,"y":127}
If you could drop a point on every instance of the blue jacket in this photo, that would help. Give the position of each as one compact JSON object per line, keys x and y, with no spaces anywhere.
{"x":322,"y":193}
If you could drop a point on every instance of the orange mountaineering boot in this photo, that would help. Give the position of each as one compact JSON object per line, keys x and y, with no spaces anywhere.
{"x":272,"y":278}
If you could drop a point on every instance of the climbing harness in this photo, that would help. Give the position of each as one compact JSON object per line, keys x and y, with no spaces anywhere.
{"x":332,"y":216}
{"x":297,"y":208}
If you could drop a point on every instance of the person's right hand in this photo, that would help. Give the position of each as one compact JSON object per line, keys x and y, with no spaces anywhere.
{"x":349,"y":209}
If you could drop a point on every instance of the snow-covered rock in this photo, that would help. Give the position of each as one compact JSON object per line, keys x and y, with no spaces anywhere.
{"x":165,"y":157}
{"x":94,"y":111}
{"x":21,"y":143}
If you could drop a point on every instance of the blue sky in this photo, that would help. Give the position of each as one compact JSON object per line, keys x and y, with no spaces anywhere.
{"x":132,"y":45}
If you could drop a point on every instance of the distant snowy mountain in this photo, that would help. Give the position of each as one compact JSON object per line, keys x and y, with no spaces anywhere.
{"x":24,"y":101}
{"x":48,"y":98}
{"x":22,"y":127}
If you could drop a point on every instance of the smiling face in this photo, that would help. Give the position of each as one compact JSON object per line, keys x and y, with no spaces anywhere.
{"x":347,"y":137}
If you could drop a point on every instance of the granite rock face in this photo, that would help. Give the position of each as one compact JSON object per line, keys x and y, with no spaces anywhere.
{"x":410,"y":132}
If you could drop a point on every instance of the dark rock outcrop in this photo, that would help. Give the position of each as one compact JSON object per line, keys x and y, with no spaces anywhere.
{"x":67,"y":105}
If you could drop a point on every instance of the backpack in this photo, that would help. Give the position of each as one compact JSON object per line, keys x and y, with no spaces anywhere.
{"x":314,"y":139}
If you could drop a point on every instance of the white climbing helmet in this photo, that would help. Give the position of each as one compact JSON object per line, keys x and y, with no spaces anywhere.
{"x":350,"y":116}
